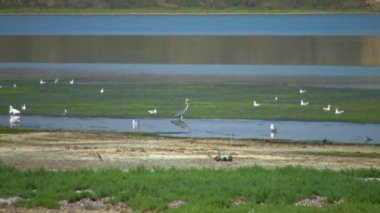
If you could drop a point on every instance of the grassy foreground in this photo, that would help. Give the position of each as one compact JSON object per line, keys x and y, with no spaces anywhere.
{"x":224,"y":99}
{"x":202,"y":190}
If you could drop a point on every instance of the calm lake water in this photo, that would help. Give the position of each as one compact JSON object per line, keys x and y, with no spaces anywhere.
{"x":209,"y":128}
{"x":191,"y":25}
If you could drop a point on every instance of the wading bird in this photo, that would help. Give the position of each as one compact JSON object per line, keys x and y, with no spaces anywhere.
{"x":23,"y":107}
{"x":302,"y":91}
{"x":64,"y":112}
{"x":338,"y":112}
{"x":13,"y":111}
{"x":180,"y":113}
{"x":256,"y":104}
{"x":135,"y":124}
{"x":14,"y":85}
{"x":367,"y":139}
{"x":102,"y":90}
{"x":273,"y":128}
{"x":303,"y":103}
{"x":42,"y":82}
{"x":275,"y":99}
{"x":72,"y":81}
{"x":56,"y":81}
{"x":152,"y":111}
{"x":327,"y":108}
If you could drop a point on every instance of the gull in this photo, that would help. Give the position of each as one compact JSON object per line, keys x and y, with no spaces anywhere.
{"x":327,"y":108}
{"x":367,"y":139}
{"x":64,"y":112}
{"x":23,"y":107}
{"x":255,"y":104}
{"x":72,"y":81}
{"x":152,"y":111}
{"x":13,"y":111}
{"x":180,"y":113}
{"x":135,"y":124}
{"x":303,"y":103}
{"x":102,"y":90}
{"x":273,"y":129}
{"x":43,"y":82}
{"x":56,"y":81}
{"x":338,"y":112}
{"x":302,"y":91}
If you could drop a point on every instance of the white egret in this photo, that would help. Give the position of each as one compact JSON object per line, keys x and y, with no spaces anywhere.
{"x":302,"y":91}
{"x":13,"y":111}
{"x":64,"y":112}
{"x":72,"y":81}
{"x":180,"y":113}
{"x":23,"y":107}
{"x":1,"y":86}
{"x":275,"y":99}
{"x":338,"y":112}
{"x":256,"y":104}
{"x":14,"y":85}
{"x":102,"y":91}
{"x":135,"y":124}
{"x":304,"y":103}
{"x":42,"y":82}
{"x":152,"y":111}
{"x":56,"y":81}
{"x":327,"y":108}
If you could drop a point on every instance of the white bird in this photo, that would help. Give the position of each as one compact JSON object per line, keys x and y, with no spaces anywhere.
{"x":13,"y":111}
{"x":302,"y":91}
{"x":23,"y":107}
{"x":72,"y":81}
{"x":135,"y":124}
{"x":275,"y":99}
{"x":272,"y":135}
{"x":256,"y":104}
{"x":14,"y":85}
{"x":43,"y":82}
{"x":64,"y":112}
{"x":102,"y":90}
{"x":338,"y":112}
{"x":56,"y":81}
{"x":180,"y":113}
{"x":1,"y":86}
{"x":14,"y":120}
{"x":303,"y":103}
{"x":152,"y":111}
{"x":327,"y":108}
{"x":273,"y":128}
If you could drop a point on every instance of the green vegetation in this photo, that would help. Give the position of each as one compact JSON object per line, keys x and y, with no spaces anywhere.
{"x":225,"y":99}
{"x":202,"y":190}
{"x":184,"y":6}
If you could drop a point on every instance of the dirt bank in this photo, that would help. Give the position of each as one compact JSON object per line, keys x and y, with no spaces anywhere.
{"x":71,"y":150}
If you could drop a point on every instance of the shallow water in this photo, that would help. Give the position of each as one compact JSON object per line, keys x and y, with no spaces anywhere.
{"x":208,"y":128}
{"x":190,"y":24}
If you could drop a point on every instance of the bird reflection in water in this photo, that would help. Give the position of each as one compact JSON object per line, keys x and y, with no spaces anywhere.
{"x":180,"y":123}
{"x":14,"y":120}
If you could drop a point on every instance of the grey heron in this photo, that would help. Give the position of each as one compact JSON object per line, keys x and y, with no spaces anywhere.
{"x":102,"y":91}
{"x":180,"y":113}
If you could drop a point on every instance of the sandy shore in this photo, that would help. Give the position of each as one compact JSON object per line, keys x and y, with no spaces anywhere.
{"x":72,"y":150}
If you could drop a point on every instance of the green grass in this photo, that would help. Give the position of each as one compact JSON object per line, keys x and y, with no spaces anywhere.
{"x":203,"y":190}
{"x":208,"y":100}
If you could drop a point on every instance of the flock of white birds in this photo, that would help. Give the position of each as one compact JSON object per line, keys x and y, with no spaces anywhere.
{"x":15,"y":114}
{"x":273,"y":129}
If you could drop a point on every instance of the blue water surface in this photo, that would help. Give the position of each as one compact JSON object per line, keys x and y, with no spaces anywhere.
{"x":190,"y":24}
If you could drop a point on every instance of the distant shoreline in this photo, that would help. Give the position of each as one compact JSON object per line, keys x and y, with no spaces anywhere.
{"x":151,"y":11}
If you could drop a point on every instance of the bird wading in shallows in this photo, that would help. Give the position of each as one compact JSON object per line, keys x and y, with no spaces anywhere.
{"x":180,"y":113}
